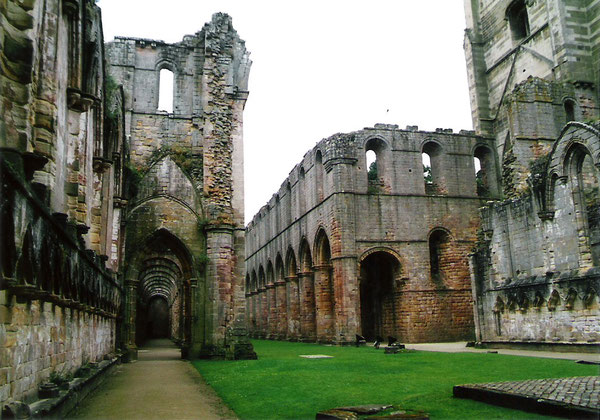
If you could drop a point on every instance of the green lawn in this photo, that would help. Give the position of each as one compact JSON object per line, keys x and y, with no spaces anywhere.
{"x":280,"y":384}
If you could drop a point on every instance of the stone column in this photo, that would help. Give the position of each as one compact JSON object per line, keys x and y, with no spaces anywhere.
{"x":307,"y":306}
{"x":272,"y":333}
{"x":324,"y":303}
{"x":196,"y":331}
{"x":347,"y":298}
{"x":130,"y":314}
{"x":282,"y":330}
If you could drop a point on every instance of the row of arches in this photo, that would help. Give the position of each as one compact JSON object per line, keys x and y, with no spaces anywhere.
{"x":435,"y":168}
{"x":299,"y":296}
{"x":293,"y":298}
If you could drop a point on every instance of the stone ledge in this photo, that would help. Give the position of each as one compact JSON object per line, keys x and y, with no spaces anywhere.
{"x":541,"y":346}
{"x":69,"y":399}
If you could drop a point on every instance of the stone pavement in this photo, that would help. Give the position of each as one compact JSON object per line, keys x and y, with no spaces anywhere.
{"x":577,"y":397}
{"x":158,"y":386}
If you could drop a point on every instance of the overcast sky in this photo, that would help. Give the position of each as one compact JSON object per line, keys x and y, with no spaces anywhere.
{"x":323,"y":67}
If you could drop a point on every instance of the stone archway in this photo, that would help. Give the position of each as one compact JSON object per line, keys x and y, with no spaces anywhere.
{"x":378,"y":273}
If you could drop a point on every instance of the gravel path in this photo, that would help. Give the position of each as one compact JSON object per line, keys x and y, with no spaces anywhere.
{"x":158,"y":386}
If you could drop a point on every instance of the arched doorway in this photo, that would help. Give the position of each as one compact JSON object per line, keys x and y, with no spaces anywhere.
{"x":378,"y":273}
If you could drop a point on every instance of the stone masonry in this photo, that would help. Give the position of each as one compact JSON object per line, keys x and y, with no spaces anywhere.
{"x":184,"y":239}
{"x":334,"y":253}
{"x":534,"y":83}
{"x":62,"y":151}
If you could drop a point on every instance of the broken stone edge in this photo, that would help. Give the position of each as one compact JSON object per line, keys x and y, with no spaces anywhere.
{"x":524,"y":403}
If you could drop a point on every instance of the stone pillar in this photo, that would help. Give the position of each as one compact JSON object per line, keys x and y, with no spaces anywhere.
{"x":130,"y":314}
{"x":347,"y":298}
{"x":293,"y":309}
{"x":272,"y":332}
{"x":219,"y":299}
{"x":196,"y":331}
{"x":324,"y":303}
{"x":264,"y":313}
{"x":307,"y":306}
{"x":281,"y":310}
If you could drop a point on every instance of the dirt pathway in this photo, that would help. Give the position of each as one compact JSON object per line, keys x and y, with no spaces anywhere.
{"x":158,"y":386}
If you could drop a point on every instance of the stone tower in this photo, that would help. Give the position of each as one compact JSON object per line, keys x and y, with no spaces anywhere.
{"x":534,"y":79}
{"x":532,"y":67}
{"x":184,"y":249}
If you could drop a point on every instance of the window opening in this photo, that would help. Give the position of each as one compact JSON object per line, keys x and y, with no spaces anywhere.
{"x":165,"y":95}
{"x":518,"y":20}
{"x":570,"y":110}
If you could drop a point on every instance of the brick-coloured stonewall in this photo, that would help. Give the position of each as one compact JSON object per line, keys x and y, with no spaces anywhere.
{"x":348,"y":255}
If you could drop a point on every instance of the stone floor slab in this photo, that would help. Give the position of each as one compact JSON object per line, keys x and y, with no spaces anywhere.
{"x":576,"y":397}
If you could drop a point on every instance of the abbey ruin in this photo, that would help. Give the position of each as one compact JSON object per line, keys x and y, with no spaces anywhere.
{"x":506,"y":256}
{"x":120,"y":221}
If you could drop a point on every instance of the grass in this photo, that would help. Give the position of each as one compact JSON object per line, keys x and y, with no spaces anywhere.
{"x":282,"y":385}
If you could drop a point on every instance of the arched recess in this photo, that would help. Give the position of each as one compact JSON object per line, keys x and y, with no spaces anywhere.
{"x":380,"y":272}
{"x":324,"y":291}
{"x":281,"y":297}
{"x":319,"y":178}
{"x":293,"y":295}
{"x":162,"y":267}
{"x":433,"y":171}
{"x":378,"y":172}
{"x":573,"y":172}
{"x":263,"y":312}
{"x":584,"y":182}
{"x":440,"y":251}
{"x":253,"y":303}
{"x":486,"y":174}
{"x":271,"y":301}
{"x":301,"y":192}
{"x":307,"y":292}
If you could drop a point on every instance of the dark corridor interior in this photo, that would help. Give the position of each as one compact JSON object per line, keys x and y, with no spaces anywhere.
{"x":157,"y":318}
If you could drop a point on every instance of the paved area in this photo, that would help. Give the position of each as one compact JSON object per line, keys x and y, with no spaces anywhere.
{"x":462,"y":347}
{"x":158,"y":386}
{"x":577,"y":397}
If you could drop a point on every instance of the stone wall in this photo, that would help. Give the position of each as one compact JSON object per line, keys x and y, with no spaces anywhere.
{"x":522,"y":86}
{"x":62,"y":155}
{"x":316,"y":242}
{"x":42,"y":338}
{"x":186,"y":211}
{"x":537,"y":273}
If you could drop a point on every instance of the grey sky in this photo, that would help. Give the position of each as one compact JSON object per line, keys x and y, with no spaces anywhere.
{"x":323,"y":67}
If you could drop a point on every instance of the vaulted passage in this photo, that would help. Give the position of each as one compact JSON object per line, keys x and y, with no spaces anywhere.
{"x":378,"y":313}
{"x":162,"y":293}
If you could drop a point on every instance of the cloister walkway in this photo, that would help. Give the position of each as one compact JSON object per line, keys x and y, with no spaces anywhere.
{"x":158,"y":386}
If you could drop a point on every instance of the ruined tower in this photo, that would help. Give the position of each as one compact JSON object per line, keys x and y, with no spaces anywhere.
{"x":534,"y":79}
{"x":184,"y":248}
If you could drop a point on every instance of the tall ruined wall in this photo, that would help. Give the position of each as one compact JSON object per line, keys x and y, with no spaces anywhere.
{"x":537,"y":274}
{"x":320,"y":237}
{"x":61,"y":159}
{"x":189,"y":189}
{"x":532,"y":74}
{"x":525,"y":86}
